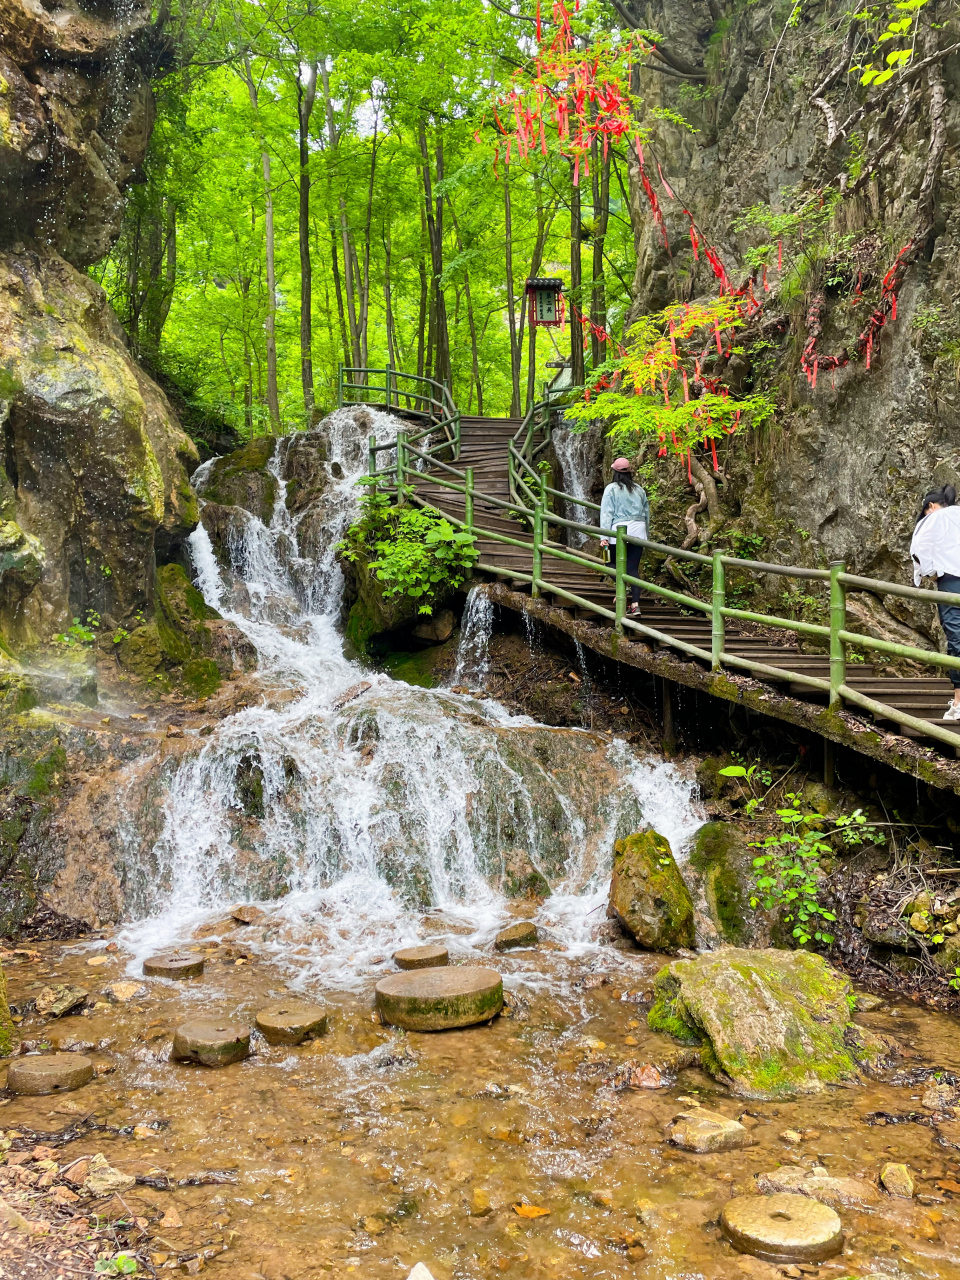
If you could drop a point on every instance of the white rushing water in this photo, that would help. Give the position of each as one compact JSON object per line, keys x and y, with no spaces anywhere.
{"x":369,"y":818}
{"x":576,"y":451}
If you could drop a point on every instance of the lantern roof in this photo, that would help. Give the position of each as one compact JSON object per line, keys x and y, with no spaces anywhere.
{"x":545,"y":283}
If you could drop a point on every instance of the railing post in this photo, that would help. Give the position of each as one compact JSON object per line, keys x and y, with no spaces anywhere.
{"x":389,"y":384}
{"x":401,"y":458}
{"x":340,"y":385}
{"x":537,"y":548}
{"x":372,"y":455}
{"x":838,"y":623}
{"x":620,"y":608}
{"x":468,"y":498}
{"x":718,"y":600}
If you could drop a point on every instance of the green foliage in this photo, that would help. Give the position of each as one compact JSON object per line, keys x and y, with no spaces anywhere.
{"x":416,"y":553}
{"x":80,"y":633}
{"x":122,"y":1264}
{"x":900,"y":28}
{"x":789,"y":871}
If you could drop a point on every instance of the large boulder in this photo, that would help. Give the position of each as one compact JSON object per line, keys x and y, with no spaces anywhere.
{"x":720,"y":866}
{"x":241,"y":479}
{"x":769,"y":1023}
{"x":648,"y":894}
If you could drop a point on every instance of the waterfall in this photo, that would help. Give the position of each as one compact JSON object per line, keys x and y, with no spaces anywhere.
{"x":576,"y":452}
{"x":364,"y":811}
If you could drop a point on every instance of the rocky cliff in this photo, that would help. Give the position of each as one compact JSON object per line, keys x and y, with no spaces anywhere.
{"x":93,"y":486}
{"x":761,"y":105}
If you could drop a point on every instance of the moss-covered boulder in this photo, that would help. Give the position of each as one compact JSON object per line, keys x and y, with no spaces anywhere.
{"x":648,"y":894}
{"x":6,"y":1022}
{"x":373,"y":613}
{"x":241,"y":479}
{"x":770,"y":1024}
{"x":723,"y":862}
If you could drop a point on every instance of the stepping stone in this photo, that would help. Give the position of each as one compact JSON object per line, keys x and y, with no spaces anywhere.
{"x":291,"y":1022}
{"x":439,"y":998}
{"x":174,"y":964}
{"x":247,"y":914}
{"x":421,"y":957}
{"x":782,"y":1228}
{"x":58,"y":1000}
{"x":701,"y":1130}
{"x":123,"y":992}
{"x":898,"y":1180}
{"x":49,"y":1073}
{"x":213,"y":1043}
{"x":523,"y":934}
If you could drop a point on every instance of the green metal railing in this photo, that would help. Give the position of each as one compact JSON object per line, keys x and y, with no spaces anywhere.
{"x":413,"y":395}
{"x":530,"y":495}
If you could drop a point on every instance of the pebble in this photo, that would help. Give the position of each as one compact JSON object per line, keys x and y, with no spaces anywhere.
{"x":49,"y":1073}
{"x":419,"y":1272}
{"x":291,"y":1022}
{"x":440,"y":998}
{"x":782,"y":1228}
{"x":428,"y":957}
{"x":247,"y":914}
{"x":841,"y":1193}
{"x":523,"y":934}
{"x":58,"y":1000}
{"x":898,"y":1180}
{"x":703,"y":1131}
{"x":123,"y":992}
{"x":103,"y":1180}
{"x":174,"y":964}
{"x":212,"y":1043}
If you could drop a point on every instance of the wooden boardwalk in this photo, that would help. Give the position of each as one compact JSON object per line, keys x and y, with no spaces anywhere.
{"x":484,"y":446}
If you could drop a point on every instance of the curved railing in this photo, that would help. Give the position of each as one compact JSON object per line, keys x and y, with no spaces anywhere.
{"x":530,"y":496}
{"x":411,"y":394}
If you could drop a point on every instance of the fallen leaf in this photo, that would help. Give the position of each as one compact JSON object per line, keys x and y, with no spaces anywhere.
{"x":529,"y":1211}
{"x":949,"y":1184}
{"x":171,"y":1219}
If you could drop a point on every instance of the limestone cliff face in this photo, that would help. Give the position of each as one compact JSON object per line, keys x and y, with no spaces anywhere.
{"x":93,"y":482}
{"x":840,"y":474}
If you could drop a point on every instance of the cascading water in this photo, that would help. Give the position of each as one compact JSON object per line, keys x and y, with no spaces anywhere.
{"x":473,"y":651}
{"x":576,"y":452}
{"x":371,"y":816}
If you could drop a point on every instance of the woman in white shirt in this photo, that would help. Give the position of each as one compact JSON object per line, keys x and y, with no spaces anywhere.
{"x":935,"y":551}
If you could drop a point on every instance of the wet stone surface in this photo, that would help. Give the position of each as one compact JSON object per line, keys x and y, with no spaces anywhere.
{"x":49,"y":1073}
{"x":367,"y":1150}
{"x":174,"y":964}
{"x":428,"y":957}
{"x":212,"y":1042}
{"x":783,"y":1228}
{"x":291,"y":1022}
{"x":439,"y":999}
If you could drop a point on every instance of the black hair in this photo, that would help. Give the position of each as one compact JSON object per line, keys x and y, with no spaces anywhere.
{"x":625,"y":479}
{"x":944,"y":497}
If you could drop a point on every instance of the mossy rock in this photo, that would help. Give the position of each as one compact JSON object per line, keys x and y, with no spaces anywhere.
{"x":771,"y":1024}
{"x":200,"y":677}
{"x":6,"y":1022}
{"x":177,"y":637}
{"x":722,"y":857}
{"x":648,"y":894}
{"x":241,"y":479}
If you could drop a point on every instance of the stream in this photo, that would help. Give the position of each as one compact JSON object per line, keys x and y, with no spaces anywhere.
{"x":361,"y":814}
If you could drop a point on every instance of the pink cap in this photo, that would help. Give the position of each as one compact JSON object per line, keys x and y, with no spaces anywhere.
{"x":620,"y":464}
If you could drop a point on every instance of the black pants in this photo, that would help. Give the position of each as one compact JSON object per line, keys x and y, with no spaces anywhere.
{"x":950,"y":621}
{"x":633,"y":571}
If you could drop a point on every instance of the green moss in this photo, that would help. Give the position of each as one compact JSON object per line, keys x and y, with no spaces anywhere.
{"x":648,"y":894}
{"x":201,"y":677}
{"x":531,"y":885}
{"x":720,"y":855}
{"x":6,"y":1022}
{"x":241,"y":479}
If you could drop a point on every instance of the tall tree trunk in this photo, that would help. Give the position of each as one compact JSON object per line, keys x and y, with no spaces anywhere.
{"x":333,"y":138}
{"x":338,"y":285}
{"x":273,"y":394}
{"x":471,"y":322}
{"x":422,"y":311}
{"x":434,"y":215}
{"x":544,"y":222}
{"x":388,"y":301}
{"x":306,"y":96}
{"x":601,"y":217}
{"x":515,"y":349}
{"x":577,"y":374}
{"x":365,"y":282}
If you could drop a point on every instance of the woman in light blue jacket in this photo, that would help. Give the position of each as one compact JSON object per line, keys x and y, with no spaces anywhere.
{"x":625,"y":503}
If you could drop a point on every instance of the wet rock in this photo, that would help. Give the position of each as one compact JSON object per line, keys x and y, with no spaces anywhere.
{"x":880,"y":928}
{"x":212,"y":1043}
{"x":771,"y":1023}
{"x":291,"y":1022}
{"x":439,"y":998}
{"x":351,"y":694}
{"x":898,"y":1180}
{"x":241,"y":479}
{"x":124,"y":992}
{"x":940,"y":1097}
{"x":659,"y":1074}
{"x":56,"y":1001}
{"x":247,"y":914}
{"x":523,"y":934}
{"x":103,"y":1180}
{"x":703,"y":1131}
{"x":49,"y":1073}
{"x":428,"y":957}
{"x":782,"y":1228}
{"x":436,"y":629}
{"x":174,"y":964}
{"x":840,"y":1193}
{"x":867,"y":1003}
{"x":648,"y":895}
{"x":419,"y":1272}
{"x":722,"y":856}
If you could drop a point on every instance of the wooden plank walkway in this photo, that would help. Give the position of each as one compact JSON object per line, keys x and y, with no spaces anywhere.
{"x":484,"y":446}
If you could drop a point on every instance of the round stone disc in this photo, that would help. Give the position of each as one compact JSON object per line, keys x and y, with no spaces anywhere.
{"x":421,"y":957}
{"x":215,"y":1044}
{"x":49,"y":1073}
{"x":782,"y":1228}
{"x":291,"y":1022}
{"x":438,"y":998}
{"x":174,"y":964}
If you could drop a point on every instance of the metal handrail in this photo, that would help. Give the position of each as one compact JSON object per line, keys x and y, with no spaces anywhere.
{"x":520,"y":457}
{"x":432,"y":401}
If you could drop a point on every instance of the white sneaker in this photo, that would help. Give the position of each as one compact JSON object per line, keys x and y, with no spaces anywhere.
{"x":952,"y":712}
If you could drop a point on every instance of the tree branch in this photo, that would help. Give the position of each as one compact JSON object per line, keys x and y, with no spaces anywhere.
{"x":882,"y":98}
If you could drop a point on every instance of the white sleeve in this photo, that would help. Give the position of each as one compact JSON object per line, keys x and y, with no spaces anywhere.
{"x":921,"y":549}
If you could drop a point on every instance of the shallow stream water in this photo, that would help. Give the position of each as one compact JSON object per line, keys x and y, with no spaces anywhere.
{"x":364,"y":819}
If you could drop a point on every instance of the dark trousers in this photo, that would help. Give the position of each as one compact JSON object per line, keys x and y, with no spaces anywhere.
{"x":950,"y":621}
{"x":633,"y":571}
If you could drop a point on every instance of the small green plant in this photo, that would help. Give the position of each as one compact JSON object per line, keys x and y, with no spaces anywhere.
{"x":80,"y":633}
{"x":746,"y":546}
{"x":124,"y":1264}
{"x":789,"y":872}
{"x":749,"y":773}
{"x":414,"y":552}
